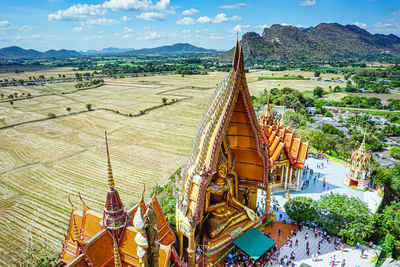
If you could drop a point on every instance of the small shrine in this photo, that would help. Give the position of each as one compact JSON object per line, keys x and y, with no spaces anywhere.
{"x":286,"y":152}
{"x":357,"y":174}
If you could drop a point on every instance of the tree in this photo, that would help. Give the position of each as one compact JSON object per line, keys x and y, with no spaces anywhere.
{"x":68,"y":109}
{"x":301,"y":209}
{"x":164,"y":100}
{"x":317,"y":73}
{"x":51,"y":115}
{"x":318,"y":92}
{"x":11,"y":102}
{"x":89,"y":107}
{"x":344,"y":215}
{"x":2,"y":95}
{"x":395,"y":152}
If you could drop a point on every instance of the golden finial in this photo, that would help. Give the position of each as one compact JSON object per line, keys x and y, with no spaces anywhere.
{"x":70,"y":202}
{"x":110,"y":175}
{"x":117,"y":258}
{"x":83,"y":202}
{"x":363,"y":141}
{"x":267,"y":111}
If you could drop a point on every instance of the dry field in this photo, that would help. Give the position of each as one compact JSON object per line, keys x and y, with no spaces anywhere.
{"x":41,"y":163}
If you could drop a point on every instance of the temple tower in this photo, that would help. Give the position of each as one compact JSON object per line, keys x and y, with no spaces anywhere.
{"x":357,"y":174}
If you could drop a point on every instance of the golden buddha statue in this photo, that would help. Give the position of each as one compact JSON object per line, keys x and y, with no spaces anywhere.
{"x":223,"y":210}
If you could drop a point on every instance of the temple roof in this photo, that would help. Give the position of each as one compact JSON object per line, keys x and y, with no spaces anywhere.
{"x":96,"y":240}
{"x":280,"y":139}
{"x":228,"y":117}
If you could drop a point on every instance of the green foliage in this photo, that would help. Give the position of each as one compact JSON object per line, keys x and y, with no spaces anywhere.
{"x":294,"y":120}
{"x":164,"y":100}
{"x":36,"y":256}
{"x":301,"y":209}
{"x":317,"y":73}
{"x":89,"y":107}
{"x":328,"y":114}
{"x":346,"y":216}
{"x":395,"y":152}
{"x":165,"y":195}
{"x":68,"y":109}
{"x":318,"y":92}
{"x":51,"y":115}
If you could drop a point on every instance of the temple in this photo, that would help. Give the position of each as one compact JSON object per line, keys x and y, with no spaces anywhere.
{"x":357,"y":175}
{"x":227,"y":166}
{"x":286,"y":152}
{"x":118,"y":237}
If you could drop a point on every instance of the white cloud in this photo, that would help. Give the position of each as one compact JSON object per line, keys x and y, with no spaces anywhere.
{"x":148,"y":27}
{"x":308,"y":3}
{"x":128,"y":5}
{"x":26,"y":28}
{"x":204,"y":19}
{"x":4,"y":25}
{"x":397,"y":12}
{"x":82,"y":28}
{"x":186,"y":21}
{"x":247,"y":28}
{"x":151,"y":16}
{"x":152,"y":35}
{"x":234,"y":18}
{"x":360,"y":24}
{"x":232,"y":6}
{"x":125,"y":19}
{"x":240,"y":28}
{"x":142,"y":5}
{"x":127,"y":36}
{"x":76,"y":12}
{"x":221,"y":17}
{"x":102,"y":21}
{"x":189,"y":12}
{"x":126,"y":29}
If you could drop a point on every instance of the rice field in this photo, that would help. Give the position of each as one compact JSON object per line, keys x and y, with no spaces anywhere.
{"x":41,"y":163}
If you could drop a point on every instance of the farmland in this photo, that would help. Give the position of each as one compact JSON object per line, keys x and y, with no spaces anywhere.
{"x":42,"y":162}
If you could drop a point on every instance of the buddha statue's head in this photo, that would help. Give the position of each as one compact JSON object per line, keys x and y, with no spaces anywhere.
{"x":222,"y":168}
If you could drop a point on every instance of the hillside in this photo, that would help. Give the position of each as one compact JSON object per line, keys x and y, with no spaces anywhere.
{"x":15,"y":52}
{"x":171,"y":49}
{"x":324,"y":41}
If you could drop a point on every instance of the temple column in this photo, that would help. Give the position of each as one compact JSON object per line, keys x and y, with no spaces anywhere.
{"x":282,"y":167}
{"x":191,"y":250}
{"x":299,"y":177}
{"x":268,"y":200}
{"x":180,"y":243}
{"x":286,"y":176}
{"x":290,"y":176}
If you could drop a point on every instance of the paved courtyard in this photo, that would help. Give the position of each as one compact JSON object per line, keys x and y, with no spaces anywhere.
{"x":351,"y":255}
{"x":334,"y":173}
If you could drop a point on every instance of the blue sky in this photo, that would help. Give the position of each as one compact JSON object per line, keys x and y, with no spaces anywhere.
{"x":83,"y":25}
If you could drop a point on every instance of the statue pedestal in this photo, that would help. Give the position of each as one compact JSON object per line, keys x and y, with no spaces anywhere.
{"x":215,"y":248}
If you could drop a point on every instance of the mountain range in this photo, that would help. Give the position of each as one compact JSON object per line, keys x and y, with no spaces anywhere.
{"x":15,"y":52}
{"x":322,"y":42}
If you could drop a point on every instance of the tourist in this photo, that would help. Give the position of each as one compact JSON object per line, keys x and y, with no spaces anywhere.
{"x":334,"y":241}
{"x":306,"y":236}
{"x":308,"y":252}
{"x":343,"y":262}
{"x":307,"y":245}
{"x":279,"y":232}
{"x":297,"y":242}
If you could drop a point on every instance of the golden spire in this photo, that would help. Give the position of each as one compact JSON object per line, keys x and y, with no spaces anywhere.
{"x":267,"y":111}
{"x":75,"y":233}
{"x":117,"y":257}
{"x":236,"y":56}
{"x":110,"y":175}
{"x":83,"y":202}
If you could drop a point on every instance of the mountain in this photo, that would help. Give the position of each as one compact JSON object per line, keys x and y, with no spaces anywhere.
{"x":15,"y":52}
{"x":107,"y":51}
{"x":178,"y":48}
{"x":322,"y":42}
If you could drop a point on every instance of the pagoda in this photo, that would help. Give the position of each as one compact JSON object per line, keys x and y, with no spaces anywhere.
{"x":217,"y":193}
{"x":140,"y":236}
{"x":286,"y":152}
{"x":357,"y":174}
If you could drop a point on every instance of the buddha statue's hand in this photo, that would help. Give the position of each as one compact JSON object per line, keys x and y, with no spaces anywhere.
{"x":251,"y":214}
